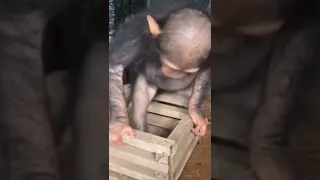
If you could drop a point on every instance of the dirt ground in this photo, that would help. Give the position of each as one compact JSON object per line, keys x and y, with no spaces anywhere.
{"x":198,"y":166}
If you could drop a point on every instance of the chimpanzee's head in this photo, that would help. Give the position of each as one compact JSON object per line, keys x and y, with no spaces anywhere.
{"x":184,"y":41}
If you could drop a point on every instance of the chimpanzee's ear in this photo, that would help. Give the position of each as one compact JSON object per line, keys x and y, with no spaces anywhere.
{"x":153,"y":26}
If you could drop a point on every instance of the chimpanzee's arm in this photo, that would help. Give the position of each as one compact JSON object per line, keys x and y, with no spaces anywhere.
{"x":270,"y":160}
{"x":200,"y":87}
{"x":117,"y":101}
{"x":123,"y":50}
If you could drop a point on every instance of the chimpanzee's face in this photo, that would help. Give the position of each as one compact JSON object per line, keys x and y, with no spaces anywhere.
{"x":175,"y":71}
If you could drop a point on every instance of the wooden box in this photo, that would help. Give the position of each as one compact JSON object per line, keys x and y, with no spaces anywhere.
{"x":162,"y":153}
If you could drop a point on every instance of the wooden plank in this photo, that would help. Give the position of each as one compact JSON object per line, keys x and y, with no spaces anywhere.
{"x":167,"y":110}
{"x":138,"y":156}
{"x":116,"y":176}
{"x":172,"y":98}
{"x":224,"y":170}
{"x":162,"y":121}
{"x":185,"y":158}
{"x":132,"y":170}
{"x":180,"y":132}
{"x":178,"y":135}
{"x":159,"y":121}
{"x":182,"y":150}
{"x":149,"y":142}
{"x":156,"y":123}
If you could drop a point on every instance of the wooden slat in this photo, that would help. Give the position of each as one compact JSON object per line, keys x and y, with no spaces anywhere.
{"x":172,"y":98}
{"x":159,"y":121}
{"x":132,"y":170}
{"x":149,"y":142}
{"x":116,"y":176}
{"x":138,"y":156}
{"x":162,"y":121}
{"x":184,"y":146}
{"x":228,"y":171}
{"x":180,"y":132}
{"x":178,"y":135}
{"x":182,"y":150}
{"x":167,"y":110}
{"x":185,"y":158}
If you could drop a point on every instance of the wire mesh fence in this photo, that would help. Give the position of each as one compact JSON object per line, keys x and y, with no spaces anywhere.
{"x":119,"y":10}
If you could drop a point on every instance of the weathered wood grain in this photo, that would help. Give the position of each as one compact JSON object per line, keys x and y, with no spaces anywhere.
{"x":179,"y":136}
{"x":149,"y":142}
{"x":167,"y":110}
{"x":180,"y":133}
{"x":132,"y":170}
{"x":185,"y":159}
{"x":116,"y":176}
{"x":138,"y":156}
{"x":172,"y":98}
{"x":162,"y":121}
{"x":182,"y":150}
{"x":158,"y":125}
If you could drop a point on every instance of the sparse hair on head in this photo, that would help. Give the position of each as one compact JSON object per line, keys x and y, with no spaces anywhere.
{"x":186,"y":36}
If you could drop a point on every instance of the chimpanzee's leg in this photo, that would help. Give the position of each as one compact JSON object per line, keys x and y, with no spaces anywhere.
{"x":26,"y":131}
{"x":142,"y":96}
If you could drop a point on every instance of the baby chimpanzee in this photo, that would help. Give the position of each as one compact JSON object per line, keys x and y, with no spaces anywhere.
{"x":167,"y":48}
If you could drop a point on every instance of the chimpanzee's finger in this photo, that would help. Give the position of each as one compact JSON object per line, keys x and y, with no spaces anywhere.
{"x":132,"y":133}
{"x":116,"y":140}
{"x":202,"y":132}
{"x":196,"y":130}
{"x":118,"y":143}
{"x":195,"y":119}
{"x":129,"y":131}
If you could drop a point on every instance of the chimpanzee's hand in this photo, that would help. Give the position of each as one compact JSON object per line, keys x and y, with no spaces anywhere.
{"x":200,"y":122}
{"x":117,"y":130}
